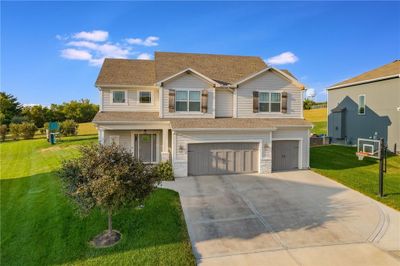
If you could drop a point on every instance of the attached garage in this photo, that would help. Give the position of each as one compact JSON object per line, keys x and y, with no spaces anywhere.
{"x":285,"y":155}
{"x":222,"y":158}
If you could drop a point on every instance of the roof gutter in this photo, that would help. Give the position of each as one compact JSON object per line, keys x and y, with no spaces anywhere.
{"x":224,"y":129}
{"x":124,"y":86}
{"x":363,"y":82}
{"x":129,"y":122}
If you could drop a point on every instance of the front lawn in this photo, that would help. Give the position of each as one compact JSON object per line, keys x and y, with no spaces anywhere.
{"x":39,"y":226}
{"x":341,"y":164}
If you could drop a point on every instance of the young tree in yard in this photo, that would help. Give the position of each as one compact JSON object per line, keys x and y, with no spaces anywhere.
{"x":69,"y":128}
{"x":107,"y":177}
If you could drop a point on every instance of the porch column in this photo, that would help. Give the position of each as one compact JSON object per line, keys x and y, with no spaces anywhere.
{"x":101,"y":135}
{"x":165,"y":152}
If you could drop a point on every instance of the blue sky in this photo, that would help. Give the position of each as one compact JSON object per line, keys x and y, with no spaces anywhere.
{"x":51,"y":51}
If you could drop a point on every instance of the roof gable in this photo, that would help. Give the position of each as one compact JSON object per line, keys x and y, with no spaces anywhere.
{"x":389,"y":70}
{"x":185,"y":72}
{"x":282,"y":74}
{"x":224,"y":69}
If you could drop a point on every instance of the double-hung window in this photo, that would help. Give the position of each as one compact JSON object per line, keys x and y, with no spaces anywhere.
{"x":119,"y":97}
{"x":144,"y":96}
{"x":187,"y":101}
{"x":270,"y":102}
{"x":361,"y":104}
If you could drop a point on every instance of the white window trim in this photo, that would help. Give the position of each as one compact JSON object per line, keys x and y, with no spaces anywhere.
{"x":116,"y":139}
{"x":365,"y":104}
{"x":112,"y":97}
{"x":151,"y":97}
{"x":188,"y":100}
{"x":269,"y":102}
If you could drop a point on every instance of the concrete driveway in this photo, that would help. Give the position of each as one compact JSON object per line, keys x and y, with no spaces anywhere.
{"x":287,"y":218}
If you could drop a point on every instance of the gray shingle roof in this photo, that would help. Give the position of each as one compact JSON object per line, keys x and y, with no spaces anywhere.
{"x":129,"y":117}
{"x":225,"y":69}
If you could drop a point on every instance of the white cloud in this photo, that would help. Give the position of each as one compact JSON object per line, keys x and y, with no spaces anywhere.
{"x":83,"y":44}
{"x":283,"y":58}
{"x":93,"y":47}
{"x":95,"y":36}
{"x":144,"y":56}
{"x":149,"y":41}
{"x":75,"y":54}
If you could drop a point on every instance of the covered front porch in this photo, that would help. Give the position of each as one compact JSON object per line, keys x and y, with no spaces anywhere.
{"x":149,"y":143}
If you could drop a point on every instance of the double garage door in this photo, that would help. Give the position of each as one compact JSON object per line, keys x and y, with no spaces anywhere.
{"x":234,"y":158}
{"x":222,"y":158}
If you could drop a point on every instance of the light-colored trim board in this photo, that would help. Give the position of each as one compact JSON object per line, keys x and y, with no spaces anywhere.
{"x":363,"y":82}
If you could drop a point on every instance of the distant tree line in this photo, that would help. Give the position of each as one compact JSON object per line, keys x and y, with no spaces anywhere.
{"x":23,"y":120}
{"x":310,"y":104}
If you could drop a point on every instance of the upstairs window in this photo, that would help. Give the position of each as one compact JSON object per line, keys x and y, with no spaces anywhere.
{"x":187,"y":101}
{"x":270,"y":102}
{"x":118,"y":96}
{"x":361,"y":104}
{"x":145,"y":97}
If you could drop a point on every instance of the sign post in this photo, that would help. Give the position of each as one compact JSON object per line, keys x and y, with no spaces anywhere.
{"x":381,"y":159}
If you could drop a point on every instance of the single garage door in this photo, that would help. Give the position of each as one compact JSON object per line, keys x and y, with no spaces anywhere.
{"x":285,"y":155}
{"x":222,"y":158}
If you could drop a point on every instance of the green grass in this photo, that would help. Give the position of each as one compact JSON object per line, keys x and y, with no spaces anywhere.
{"x":39,"y":225}
{"x":341,"y":164}
{"x":319,"y":119}
{"x":87,"y":129}
{"x":320,"y":127}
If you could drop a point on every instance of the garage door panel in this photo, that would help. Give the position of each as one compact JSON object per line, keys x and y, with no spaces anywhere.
{"x":285,"y":155}
{"x":222,"y":158}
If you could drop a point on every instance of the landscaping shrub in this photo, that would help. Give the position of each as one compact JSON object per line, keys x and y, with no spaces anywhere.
{"x":69,"y":128}
{"x":27,"y":130}
{"x":15,"y":130}
{"x":3,"y":132}
{"x":164,"y":171}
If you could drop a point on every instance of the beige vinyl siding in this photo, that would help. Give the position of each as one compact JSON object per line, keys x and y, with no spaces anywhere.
{"x":296,"y":134}
{"x":124,"y":137}
{"x":188,"y":81}
{"x":269,"y":81}
{"x":223,"y":103}
{"x":133,"y":101}
{"x":182,"y":139}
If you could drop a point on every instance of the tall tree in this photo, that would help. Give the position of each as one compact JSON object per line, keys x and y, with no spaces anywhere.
{"x":38,"y":114}
{"x":9,"y":107}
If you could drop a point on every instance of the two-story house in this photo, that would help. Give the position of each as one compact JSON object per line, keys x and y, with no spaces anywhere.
{"x":208,"y":114}
{"x":366,"y":106}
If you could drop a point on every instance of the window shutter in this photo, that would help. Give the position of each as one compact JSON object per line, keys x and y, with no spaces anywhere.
{"x":171,"y":101}
{"x":284,"y":102}
{"x":204,"y":101}
{"x":255,"y":101}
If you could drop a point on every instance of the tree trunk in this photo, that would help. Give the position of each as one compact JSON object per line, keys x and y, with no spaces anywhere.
{"x":109,"y":222}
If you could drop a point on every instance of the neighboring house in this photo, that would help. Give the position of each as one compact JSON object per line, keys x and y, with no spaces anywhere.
{"x":208,"y":114}
{"x":366,"y":106}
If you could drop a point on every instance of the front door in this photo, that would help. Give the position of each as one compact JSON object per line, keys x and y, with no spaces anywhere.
{"x":145,"y":147}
